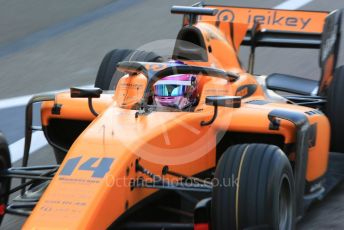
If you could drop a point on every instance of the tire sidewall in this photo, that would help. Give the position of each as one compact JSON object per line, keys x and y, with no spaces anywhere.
{"x":282,"y":172}
{"x":5,"y":163}
{"x":275,"y":168}
{"x":335,"y":111}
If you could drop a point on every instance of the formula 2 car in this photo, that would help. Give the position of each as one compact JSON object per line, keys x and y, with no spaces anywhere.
{"x":250,"y":152}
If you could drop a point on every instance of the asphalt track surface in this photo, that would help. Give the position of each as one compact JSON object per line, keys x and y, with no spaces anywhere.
{"x":49,"y":45}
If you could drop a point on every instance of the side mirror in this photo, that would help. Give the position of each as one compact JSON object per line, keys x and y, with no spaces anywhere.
{"x":89,"y":93}
{"x":77,"y":92}
{"x":223,"y":101}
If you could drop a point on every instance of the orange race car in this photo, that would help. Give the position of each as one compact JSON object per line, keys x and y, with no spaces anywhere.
{"x":194,"y":142}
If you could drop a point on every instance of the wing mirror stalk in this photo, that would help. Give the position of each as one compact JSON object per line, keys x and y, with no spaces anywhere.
{"x":77,"y":92}
{"x":223,"y":101}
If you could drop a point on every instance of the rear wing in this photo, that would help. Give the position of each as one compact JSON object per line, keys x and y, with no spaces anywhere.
{"x":277,"y":28}
{"x":273,"y":27}
{"x":290,"y":28}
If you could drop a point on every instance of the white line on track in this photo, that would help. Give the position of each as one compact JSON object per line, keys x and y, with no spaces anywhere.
{"x":14,"y":102}
{"x":292,"y":4}
{"x":38,"y":140}
{"x":17,"y":148}
{"x":23,"y":100}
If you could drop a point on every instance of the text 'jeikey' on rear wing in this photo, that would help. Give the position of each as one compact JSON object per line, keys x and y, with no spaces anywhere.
{"x":266,"y":27}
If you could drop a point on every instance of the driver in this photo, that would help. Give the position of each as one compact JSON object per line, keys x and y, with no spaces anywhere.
{"x":176,"y":91}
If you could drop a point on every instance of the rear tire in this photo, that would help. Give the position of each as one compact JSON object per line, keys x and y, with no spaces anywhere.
{"x":108,"y":75}
{"x":5,"y":183}
{"x":253,"y":187}
{"x":335,"y":110}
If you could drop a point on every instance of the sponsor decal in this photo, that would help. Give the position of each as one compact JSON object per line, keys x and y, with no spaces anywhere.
{"x":131,"y":85}
{"x":216,"y":91}
{"x":102,"y":166}
{"x":271,"y":18}
{"x":226,"y":16}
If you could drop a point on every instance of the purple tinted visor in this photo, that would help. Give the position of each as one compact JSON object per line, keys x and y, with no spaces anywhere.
{"x":170,"y":90}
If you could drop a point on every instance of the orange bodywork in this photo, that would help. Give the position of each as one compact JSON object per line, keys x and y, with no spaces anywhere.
{"x":76,"y":199}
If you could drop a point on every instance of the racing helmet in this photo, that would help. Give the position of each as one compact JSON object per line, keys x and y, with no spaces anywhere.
{"x":177,"y":91}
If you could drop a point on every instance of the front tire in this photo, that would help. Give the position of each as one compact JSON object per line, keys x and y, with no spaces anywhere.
{"x":261,"y":193}
{"x":5,"y":183}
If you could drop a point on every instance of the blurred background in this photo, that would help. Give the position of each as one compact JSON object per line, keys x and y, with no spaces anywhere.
{"x":54,"y":44}
{"x":48,"y":45}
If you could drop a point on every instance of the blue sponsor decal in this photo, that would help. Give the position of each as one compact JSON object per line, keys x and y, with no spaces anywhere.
{"x":99,"y":171}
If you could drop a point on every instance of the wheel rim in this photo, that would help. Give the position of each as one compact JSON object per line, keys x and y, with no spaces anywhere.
{"x":285,"y":205}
